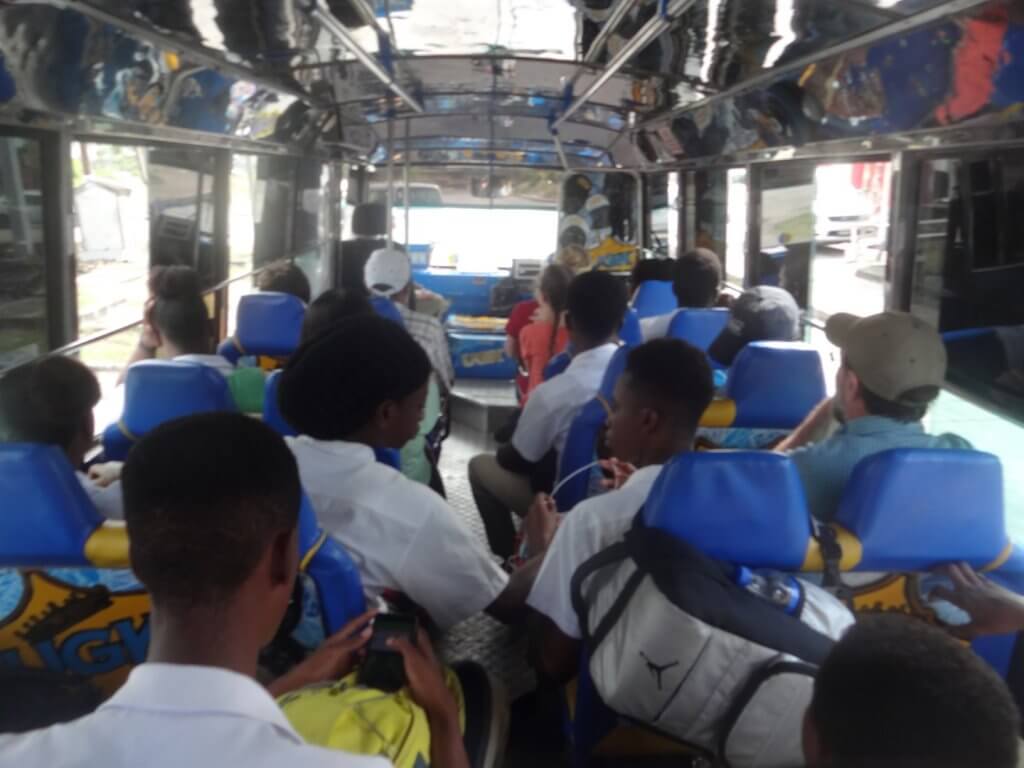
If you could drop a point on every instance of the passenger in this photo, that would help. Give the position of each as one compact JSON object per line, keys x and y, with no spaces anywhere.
{"x":285,"y":277}
{"x":370,"y":226}
{"x":659,"y":399}
{"x":547,"y":335}
{"x":50,"y":401}
{"x":696,"y":279}
{"x":897,"y":693}
{"x":893,"y":367}
{"x":361,"y":387}
{"x":389,"y":274}
{"x":993,"y":609}
{"x":764,"y":313}
{"x":650,"y":269}
{"x":520,"y":317}
{"x":330,"y":308}
{"x":212,"y":506}
{"x":508,"y":480}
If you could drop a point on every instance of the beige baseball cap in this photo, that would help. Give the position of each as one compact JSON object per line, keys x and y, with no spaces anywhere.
{"x":892,"y":353}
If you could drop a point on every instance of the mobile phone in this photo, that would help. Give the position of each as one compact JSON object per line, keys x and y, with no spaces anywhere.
{"x":383,"y":668}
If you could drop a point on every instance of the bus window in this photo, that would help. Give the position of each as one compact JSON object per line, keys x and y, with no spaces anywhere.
{"x":23,"y":330}
{"x":663,"y":213}
{"x":312,"y":246}
{"x":243,"y":214}
{"x":716,"y":217}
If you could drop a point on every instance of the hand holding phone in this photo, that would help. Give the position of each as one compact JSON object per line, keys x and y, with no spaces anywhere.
{"x":383,"y":668}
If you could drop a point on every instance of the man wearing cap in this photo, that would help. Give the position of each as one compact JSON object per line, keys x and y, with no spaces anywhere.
{"x":893,"y":368}
{"x":764,"y":313}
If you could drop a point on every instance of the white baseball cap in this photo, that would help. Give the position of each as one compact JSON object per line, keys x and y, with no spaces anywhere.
{"x":387,"y":271}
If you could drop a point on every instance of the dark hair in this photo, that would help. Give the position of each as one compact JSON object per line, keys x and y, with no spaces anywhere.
{"x":285,"y":277}
{"x":596,"y":303}
{"x":651,"y":269}
{"x":697,"y":278}
{"x":897,"y":692}
{"x":674,"y":373}
{"x":330,"y":308}
{"x":204,"y":496}
{"x":369,"y":220}
{"x":334,"y":383}
{"x":554,"y":285}
{"x":179,"y":312}
{"x":913,"y":407}
{"x":47,"y":401}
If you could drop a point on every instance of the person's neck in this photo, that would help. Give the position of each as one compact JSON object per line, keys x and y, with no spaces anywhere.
{"x":581,"y":344}
{"x":205,"y":637}
{"x":367,"y":436}
{"x":661,"y":451}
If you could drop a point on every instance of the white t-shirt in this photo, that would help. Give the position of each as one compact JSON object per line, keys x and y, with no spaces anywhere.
{"x":657,"y":327}
{"x":218,"y":363}
{"x":588,"y":528}
{"x":107,"y":500}
{"x":545,"y":421}
{"x":175,"y":716}
{"x":401,"y":534}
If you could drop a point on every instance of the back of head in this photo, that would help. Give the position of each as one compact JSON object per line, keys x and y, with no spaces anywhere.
{"x":370,"y":220}
{"x":330,"y":308}
{"x":763,"y":313}
{"x":897,"y":692}
{"x":697,"y":278}
{"x":596,"y":304}
{"x":554,"y":284}
{"x":204,"y":497}
{"x":47,"y":401}
{"x":285,"y":277}
{"x":334,"y":383}
{"x":388,"y":272}
{"x":179,"y":312}
{"x":675,"y":377}
{"x":651,"y":269}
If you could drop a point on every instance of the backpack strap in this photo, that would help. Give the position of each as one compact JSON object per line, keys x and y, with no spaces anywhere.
{"x":832,"y":556}
{"x":613,"y":554}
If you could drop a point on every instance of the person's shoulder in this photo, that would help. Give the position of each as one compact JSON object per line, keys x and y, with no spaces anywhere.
{"x":952,"y":441}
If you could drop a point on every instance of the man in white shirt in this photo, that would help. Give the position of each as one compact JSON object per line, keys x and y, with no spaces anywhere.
{"x":659,"y":399}
{"x":507,"y":480}
{"x":51,"y":400}
{"x":359,"y":387}
{"x":212,"y":506}
{"x":696,"y":280}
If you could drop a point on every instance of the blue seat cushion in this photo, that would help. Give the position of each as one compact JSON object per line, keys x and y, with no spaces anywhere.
{"x":157,"y":391}
{"x":775,"y":384}
{"x":914,"y":508}
{"x":386,"y":308}
{"x":271,"y":409}
{"x":630,"y":332}
{"x":699,"y":327}
{"x":269,"y":323}
{"x":654,"y":297}
{"x":745,"y":507}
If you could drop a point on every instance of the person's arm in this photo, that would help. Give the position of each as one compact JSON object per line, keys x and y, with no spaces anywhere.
{"x":810,"y":428}
{"x":147,"y":345}
{"x":425,"y":679}
{"x":534,"y":436}
{"x":509,"y":607}
{"x":331,"y":661}
{"x":994,"y":610}
{"x":552,"y":653}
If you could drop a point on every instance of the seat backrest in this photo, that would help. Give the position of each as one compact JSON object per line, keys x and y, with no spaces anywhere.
{"x":699,"y":327}
{"x":775,"y":384}
{"x":157,"y":391}
{"x":913,"y":509}
{"x":653,"y":298}
{"x":47,"y":516}
{"x":271,"y":409}
{"x":630,"y":332}
{"x":386,"y":308}
{"x":581,"y":440}
{"x":557,"y":365}
{"x":745,"y":507}
{"x":269,"y":323}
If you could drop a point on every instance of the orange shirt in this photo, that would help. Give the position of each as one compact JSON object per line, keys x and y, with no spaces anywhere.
{"x":534,"y":348}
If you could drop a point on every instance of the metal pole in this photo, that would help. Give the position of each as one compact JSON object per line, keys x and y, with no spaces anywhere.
{"x":391,"y":179}
{"x":321,"y":13}
{"x":614,"y":20}
{"x":406,"y":180}
{"x":637,"y":43}
{"x":561,"y":151}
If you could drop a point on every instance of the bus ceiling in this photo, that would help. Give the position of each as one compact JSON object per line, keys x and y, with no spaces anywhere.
{"x":546,"y":83}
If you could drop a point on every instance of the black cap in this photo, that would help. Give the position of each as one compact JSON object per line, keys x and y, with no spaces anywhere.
{"x":764,"y":313}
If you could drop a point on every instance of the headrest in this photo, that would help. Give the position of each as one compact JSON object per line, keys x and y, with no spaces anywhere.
{"x":157,"y":391}
{"x":386,"y":308}
{"x":699,"y":327}
{"x":630,"y":332}
{"x":271,"y":410}
{"x":612,"y":373}
{"x":557,"y":365}
{"x":369,"y":220}
{"x":915,"y":508}
{"x":654,"y":297}
{"x":745,"y":507}
{"x":775,"y":384}
{"x":47,"y":516}
{"x":269,"y":323}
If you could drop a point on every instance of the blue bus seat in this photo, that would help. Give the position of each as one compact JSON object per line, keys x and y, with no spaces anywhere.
{"x":581,"y":440}
{"x":268,"y":323}
{"x":157,"y":391}
{"x":745,"y":507}
{"x":630,"y":333}
{"x":334,"y":574}
{"x":557,"y":365}
{"x":914,"y":509}
{"x":653,"y":298}
{"x":699,"y":327}
{"x":775,"y":384}
{"x":386,"y":308}
{"x":272,"y":411}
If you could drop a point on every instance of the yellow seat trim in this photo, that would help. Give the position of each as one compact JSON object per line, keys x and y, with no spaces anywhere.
{"x":308,"y":557}
{"x":107,"y":546}
{"x":1001,"y":559}
{"x":721,"y":413}
{"x":853,"y":552}
{"x":127,"y":432}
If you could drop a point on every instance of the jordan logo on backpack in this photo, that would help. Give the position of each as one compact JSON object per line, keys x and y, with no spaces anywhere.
{"x":656,"y":669}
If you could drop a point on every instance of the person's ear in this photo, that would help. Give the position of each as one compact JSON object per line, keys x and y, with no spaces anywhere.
{"x":386,"y":413}
{"x":810,"y":742}
{"x":851,"y":387}
{"x":284,"y":559}
{"x":650,"y":420}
